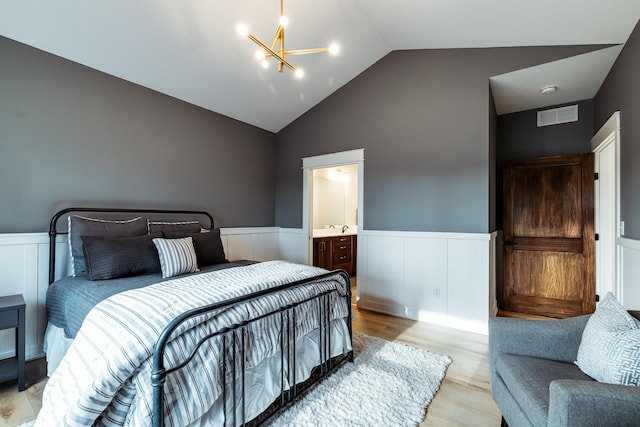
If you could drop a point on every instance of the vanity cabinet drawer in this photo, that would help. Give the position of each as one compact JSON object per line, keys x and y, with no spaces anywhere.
{"x":340,"y":246}
{"x":336,"y":252}
{"x":341,"y":257}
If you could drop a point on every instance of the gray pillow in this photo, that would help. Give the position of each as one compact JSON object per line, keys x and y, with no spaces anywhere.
{"x":182,"y":226}
{"x":82,"y":226}
{"x":113,"y":257}
{"x":610,"y":345}
{"x":208,"y":246}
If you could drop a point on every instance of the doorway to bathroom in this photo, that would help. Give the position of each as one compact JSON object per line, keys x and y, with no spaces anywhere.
{"x":332,"y":210}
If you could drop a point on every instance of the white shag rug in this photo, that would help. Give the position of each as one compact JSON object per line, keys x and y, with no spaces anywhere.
{"x":388,"y":384}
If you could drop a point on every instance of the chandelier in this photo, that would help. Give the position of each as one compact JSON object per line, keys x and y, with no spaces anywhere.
{"x":277,"y":51}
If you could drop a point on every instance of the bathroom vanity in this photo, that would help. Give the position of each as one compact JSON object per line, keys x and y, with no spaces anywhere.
{"x":333,"y":251}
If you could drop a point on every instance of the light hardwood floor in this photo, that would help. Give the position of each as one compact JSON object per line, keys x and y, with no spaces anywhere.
{"x":464,"y":398}
{"x":19,"y":407}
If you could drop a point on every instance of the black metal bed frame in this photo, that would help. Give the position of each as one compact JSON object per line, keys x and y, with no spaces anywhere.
{"x":230,"y":335}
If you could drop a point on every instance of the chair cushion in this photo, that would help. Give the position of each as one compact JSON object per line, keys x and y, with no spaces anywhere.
{"x":528,"y":379}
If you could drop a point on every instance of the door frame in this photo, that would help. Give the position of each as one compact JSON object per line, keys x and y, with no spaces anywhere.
{"x":606,"y":138}
{"x":325,"y":161}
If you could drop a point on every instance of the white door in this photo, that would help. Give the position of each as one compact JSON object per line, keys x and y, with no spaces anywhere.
{"x":605,"y":148}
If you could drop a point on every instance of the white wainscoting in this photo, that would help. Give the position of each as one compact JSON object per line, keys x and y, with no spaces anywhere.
{"x":24,"y":269}
{"x":628,"y":287}
{"x":255,"y":243}
{"x":293,"y":245}
{"x":442,"y":278}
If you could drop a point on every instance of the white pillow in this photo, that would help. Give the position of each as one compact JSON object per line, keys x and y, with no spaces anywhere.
{"x":177,"y":256}
{"x":610,"y":348}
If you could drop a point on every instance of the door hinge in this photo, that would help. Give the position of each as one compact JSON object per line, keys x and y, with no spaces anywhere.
{"x":596,"y":176}
{"x":597,"y":237}
{"x":597,"y":298}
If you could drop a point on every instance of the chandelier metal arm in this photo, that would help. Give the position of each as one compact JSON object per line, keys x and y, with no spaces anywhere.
{"x":275,"y":54}
{"x":300,"y":52}
{"x":279,"y":37}
{"x":306,"y":51}
{"x":277,"y":50}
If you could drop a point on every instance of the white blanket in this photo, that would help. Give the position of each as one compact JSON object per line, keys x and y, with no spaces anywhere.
{"x":104,"y":379}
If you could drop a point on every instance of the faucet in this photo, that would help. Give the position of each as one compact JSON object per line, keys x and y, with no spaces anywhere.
{"x":344,"y":227}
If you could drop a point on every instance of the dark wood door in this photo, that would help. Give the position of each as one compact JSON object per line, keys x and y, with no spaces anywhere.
{"x":549,"y":240}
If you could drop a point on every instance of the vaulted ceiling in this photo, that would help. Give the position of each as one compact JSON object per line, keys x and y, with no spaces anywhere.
{"x":190,"y":49}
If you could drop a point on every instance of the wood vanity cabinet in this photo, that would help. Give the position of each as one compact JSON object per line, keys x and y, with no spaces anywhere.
{"x":335,"y":252}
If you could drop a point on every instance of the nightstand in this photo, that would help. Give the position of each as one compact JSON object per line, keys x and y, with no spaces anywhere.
{"x":12,"y":316}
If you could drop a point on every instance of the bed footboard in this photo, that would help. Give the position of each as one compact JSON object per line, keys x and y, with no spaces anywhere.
{"x":233,"y":341}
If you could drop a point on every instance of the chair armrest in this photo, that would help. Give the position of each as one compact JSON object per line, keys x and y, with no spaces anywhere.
{"x":546,"y":339}
{"x":590,"y":403}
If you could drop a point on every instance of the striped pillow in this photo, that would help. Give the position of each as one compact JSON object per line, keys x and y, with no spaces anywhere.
{"x":177,"y":256}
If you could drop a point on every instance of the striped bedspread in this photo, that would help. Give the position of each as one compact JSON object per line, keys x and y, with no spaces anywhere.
{"x":104,"y":379}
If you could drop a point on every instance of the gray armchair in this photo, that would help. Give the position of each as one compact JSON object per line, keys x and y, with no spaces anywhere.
{"x":535,"y":381}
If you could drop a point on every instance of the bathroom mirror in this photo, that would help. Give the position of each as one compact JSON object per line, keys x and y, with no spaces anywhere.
{"x":335,"y":196}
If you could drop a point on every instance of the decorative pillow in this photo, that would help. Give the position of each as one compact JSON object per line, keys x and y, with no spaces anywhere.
{"x":113,"y":257}
{"x":177,"y":256}
{"x":610,"y":347}
{"x":182,"y":226}
{"x":208,"y":246}
{"x":81,"y":226}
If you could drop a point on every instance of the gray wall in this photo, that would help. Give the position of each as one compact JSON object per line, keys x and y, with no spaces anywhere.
{"x":423,"y":118}
{"x":520,"y":138}
{"x":70,"y":135}
{"x":621,"y":92}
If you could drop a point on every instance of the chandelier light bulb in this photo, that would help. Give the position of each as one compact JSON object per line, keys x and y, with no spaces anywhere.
{"x":265,"y":63}
{"x":334,"y":48}
{"x":284,"y":21}
{"x":299,"y":73}
{"x":260,"y":55}
{"x":242,"y":30}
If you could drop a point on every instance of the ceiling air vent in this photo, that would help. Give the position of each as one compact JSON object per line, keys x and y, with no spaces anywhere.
{"x":556,"y":116}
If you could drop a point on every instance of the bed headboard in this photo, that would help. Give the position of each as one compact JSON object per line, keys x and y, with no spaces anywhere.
{"x":116,"y":213}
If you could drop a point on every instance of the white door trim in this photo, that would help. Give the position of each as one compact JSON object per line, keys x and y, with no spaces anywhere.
{"x":324,"y":161}
{"x":606,"y":142}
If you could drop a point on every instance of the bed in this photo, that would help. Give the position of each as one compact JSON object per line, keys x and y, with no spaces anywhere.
{"x":154,"y":326}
